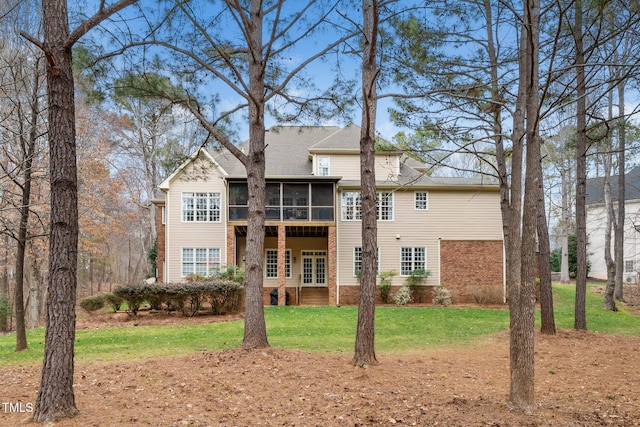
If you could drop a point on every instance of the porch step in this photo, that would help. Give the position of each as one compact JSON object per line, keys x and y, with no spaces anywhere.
{"x":314,"y":296}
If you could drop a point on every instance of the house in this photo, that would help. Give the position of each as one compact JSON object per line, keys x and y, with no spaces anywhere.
{"x":449,"y":226}
{"x":596,"y":222}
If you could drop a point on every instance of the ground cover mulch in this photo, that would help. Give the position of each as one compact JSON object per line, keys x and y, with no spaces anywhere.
{"x":582,"y":379}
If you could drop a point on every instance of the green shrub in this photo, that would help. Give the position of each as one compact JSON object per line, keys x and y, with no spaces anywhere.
{"x":5,"y":312}
{"x":386,"y":278}
{"x":441,"y":296}
{"x":224,"y":296}
{"x":91,"y":304}
{"x":114,"y":301}
{"x":134,"y":295}
{"x":415,"y":281}
{"x":403,"y":296}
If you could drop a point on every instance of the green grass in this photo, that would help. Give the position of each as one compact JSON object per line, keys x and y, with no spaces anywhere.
{"x":319,"y":329}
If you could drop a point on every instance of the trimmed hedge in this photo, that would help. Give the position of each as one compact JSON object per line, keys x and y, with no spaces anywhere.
{"x":223,"y":296}
{"x":91,"y":304}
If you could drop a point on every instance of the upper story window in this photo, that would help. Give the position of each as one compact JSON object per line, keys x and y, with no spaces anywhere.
{"x":323,"y":166}
{"x":201,"y":207}
{"x":352,"y":206}
{"x":421,"y":200}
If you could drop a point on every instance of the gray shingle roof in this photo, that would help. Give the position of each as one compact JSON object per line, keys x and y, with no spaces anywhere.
{"x":288,"y":149}
{"x":595,"y":187}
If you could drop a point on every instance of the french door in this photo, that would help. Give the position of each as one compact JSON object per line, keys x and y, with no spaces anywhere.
{"x":314,"y":268}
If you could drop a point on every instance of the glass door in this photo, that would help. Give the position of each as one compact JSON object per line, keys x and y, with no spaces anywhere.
{"x":314,"y":268}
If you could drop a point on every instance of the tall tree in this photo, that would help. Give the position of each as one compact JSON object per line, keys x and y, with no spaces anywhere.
{"x":55,"y":397}
{"x":580,"y":320}
{"x":365,"y":335}
{"x":522,"y":292}
{"x":256,"y":58}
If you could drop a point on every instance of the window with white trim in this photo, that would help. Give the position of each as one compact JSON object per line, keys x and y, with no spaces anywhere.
{"x":412,"y":258}
{"x":357,"y":260}
{"x":271,"y":263}
{"x":202,"y":261}
{"x":352,"y":206}
{"x":323,"y":166}
{"x":421,"y":200}
{"x":384,"y":202}
{"x":629,"y":266}
{"x":201,"y":207}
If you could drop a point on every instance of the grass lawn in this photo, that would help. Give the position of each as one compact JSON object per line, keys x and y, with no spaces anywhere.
{"x":319,"y":329}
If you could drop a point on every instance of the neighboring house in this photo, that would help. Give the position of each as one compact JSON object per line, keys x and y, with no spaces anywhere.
{"x":450,"y":226}
{"x":596,"y":221}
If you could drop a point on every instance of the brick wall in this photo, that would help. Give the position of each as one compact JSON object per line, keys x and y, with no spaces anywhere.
{"x":466,"y":263}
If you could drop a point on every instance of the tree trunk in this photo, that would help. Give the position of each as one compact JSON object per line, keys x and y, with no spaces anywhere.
{"x":496,"y":98}
{"x":564,"y":261}
{"x":4,"y":289}
{"x":365,"y":335}
{"x":255,"y":331}
{"x":580,"y":321}
{"x":619,"y":231}
{"x":522,"y":308}
{"x":55,"y":397}
{"x":547,"y":318}
{"x":609,"y":301}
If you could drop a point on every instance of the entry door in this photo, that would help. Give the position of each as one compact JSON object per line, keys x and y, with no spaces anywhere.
{"x":314,"y":268}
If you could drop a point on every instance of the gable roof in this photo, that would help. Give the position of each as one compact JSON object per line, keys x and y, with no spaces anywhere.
{"x":595,"y":187}
{"x":164,"y":185}
{"x":286,"y":152}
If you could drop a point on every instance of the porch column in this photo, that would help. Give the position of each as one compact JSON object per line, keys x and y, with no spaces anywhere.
{"x":282,"y":264}
{"x":231,"y":245}
{"x":332,"y":261}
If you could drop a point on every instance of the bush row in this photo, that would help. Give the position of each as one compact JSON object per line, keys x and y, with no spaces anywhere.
{"x":96,"y":302}
{"x":223,"y":296}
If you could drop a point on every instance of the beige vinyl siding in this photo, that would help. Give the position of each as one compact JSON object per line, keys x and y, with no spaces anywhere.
{"x":347,"y":166}
{"x":193,"y":234}
{"x":452,"y":215}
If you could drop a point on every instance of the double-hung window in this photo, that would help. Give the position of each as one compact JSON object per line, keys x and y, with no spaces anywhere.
{"x":323,"y":166}
{"x":421,"y":200}
{"x":412,"y":258}
{"x":352,"y":206}
{"x":202,"y":261}
{"x":271,"y":263}
{"x":201,"y":207}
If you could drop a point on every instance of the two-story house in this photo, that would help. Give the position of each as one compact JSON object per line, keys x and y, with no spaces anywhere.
{"x":449,"y":226}
{"x":596,"y":224}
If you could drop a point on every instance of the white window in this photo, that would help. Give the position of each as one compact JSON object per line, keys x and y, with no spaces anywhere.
{"x":352,"y":206}
{"x":357,"y":260}
{"x":201,"y":207}
{"x":421,"y":200}
{"x":271,"y":263}
{"x":629,"y":266}
{"x":202,"y":261}
{"x":164,"y":215}
{"x":385,"y":206}
{"x":412,"y":258}
{"x":323,"y":166}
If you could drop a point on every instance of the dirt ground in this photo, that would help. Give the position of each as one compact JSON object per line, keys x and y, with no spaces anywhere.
{"x":582,"y":379}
